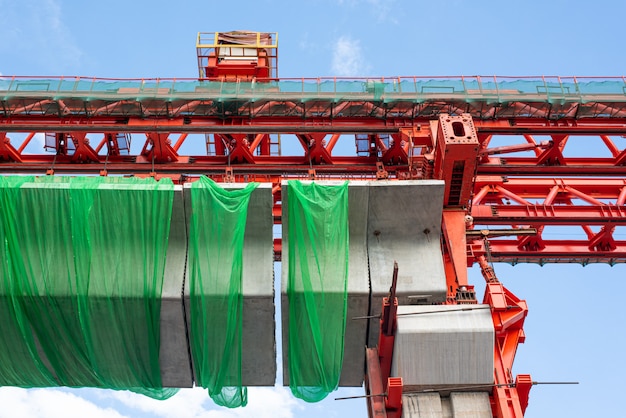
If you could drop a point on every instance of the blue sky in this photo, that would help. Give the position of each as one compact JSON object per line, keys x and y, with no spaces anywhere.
{"x":575,"y":328}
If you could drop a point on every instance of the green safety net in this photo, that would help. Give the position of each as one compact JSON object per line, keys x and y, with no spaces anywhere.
{"x":317,"y":287}
{"x":82,"y":268}
{"x":471,"y":86}
{"x":396,"y":96}
{"x":216,"y":240}
{"x":409,"y":89}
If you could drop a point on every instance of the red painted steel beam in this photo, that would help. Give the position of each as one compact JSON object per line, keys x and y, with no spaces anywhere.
{"x":549,"y":214}
{"x":544,"y":126}
{"x":276,"y":124}
{"x":553,"y":251}
{"x":344,"y":167}
{"x":208,"y":124}
{"x":536,"y":188}
{"x":455,"y":258}
{"x":596,"y":168}
{"x":374,"y":385}
{"x":566,"y":161}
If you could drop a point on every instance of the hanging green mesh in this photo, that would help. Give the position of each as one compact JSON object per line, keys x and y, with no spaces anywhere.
{"x":317,"y":287}
{"x":216,"y":238}
{"x":82,"y":274}
{"x":20,"y":363}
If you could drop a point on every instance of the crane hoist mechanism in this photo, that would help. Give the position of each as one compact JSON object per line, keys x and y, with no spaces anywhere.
{"x":445,"y":173}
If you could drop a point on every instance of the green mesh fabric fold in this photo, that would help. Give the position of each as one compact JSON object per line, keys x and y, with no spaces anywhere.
{"x":317,"y":287}
{"x":20,"y":363}
{"x":216,"y":239}
{"x":82,"y":273}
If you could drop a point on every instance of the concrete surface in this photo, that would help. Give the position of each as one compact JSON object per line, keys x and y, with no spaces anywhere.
{"x":470,"y":405}
{"x":422,"y":405}
{"x":258,"y":341}
{"x":404,"y":224}
{"x":174,"y":354}
{"x":387,"y":222}
{"x":448,"y":349}
{"x":456,"y":405}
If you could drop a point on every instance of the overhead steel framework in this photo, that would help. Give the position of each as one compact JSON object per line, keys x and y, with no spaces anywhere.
{"x":513,"y":169}
{"x":523,"y":159}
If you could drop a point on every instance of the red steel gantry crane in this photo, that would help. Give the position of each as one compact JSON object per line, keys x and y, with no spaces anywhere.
{"x":502,"y":146}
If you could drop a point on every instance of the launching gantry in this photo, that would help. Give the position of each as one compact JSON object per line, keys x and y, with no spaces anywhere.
{"x":446,"y":172}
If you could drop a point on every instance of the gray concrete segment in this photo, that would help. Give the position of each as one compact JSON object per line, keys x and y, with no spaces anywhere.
{"x":456,"y":405}
{"x":259,"y":324}
{"x":173,"y":356}
{"x":446,"y":407}
{"x":470,"y":405}
{"x":174,"y":353}
{"x":404,"y":224}
{"x":352,"y":371}
{"x":422,"y":405}
{"x":259,"y":346}
{"x":447,"y":349}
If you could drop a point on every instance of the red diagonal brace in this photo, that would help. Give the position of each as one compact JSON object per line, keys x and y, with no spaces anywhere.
{"x":7,"y":152}
{"x":161,"y":150}
{"x":553,"y":155}
{"x":83,"y":152}
{"x":239,"y":148}
{"x":317,"y":151}
{"x":603,"y":240}
{"x":396,"y":154}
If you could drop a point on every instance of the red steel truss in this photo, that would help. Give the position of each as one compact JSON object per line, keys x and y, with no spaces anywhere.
{"x":513,"y":173}
{"x":504,"y":185}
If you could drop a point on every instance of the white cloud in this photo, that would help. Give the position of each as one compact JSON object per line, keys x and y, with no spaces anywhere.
{"x":275,"y":402}
{"x":49,"y":403}
{"x":348,"y":58}
{"x":263,"y":402}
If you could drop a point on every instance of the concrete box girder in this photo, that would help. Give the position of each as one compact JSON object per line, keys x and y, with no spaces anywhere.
{"x":175,"y":361}
{"x":387,"y":220}
{"x":456,"y":405}
{"x":444,"y":347}
{"x":404,"y":225}
{"x":173,"y":354}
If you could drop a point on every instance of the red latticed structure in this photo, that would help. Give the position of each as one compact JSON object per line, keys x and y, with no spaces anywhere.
{"x":520,"y":157}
